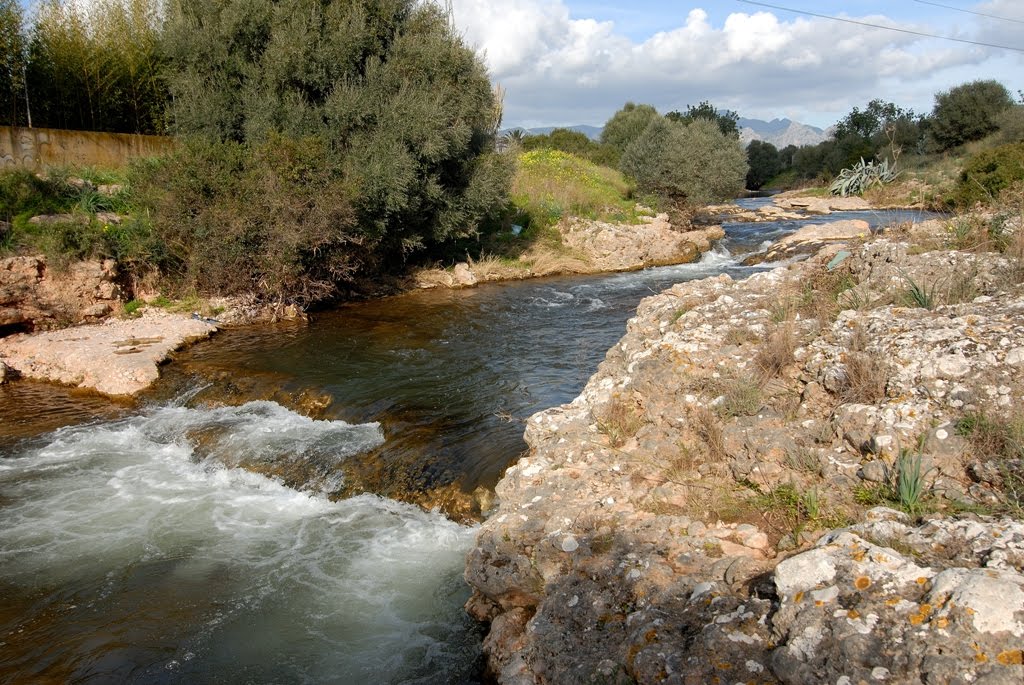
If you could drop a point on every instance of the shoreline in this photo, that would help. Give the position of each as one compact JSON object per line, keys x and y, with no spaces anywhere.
{"x":693,"y":515}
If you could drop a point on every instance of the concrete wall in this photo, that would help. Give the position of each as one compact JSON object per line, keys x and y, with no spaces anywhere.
{"x":37,"y":148}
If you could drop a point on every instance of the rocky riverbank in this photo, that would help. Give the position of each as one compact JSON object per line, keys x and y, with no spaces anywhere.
{"x":719,"y":503}
{"x":585,"y":247}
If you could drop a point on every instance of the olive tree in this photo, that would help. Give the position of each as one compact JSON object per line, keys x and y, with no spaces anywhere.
{"x":968,"y":112}
{"x":378,"y":103}
{"x":694,"y":162}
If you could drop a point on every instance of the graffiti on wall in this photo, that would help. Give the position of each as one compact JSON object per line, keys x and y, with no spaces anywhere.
{"x":37,"y":148}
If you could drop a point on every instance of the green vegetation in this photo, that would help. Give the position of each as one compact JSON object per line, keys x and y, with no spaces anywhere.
{"x":575,"y":143}
{"x":726,"y":121}
{"x":764,"y":162}
{"x":321,"y":142}
{"x":968,"y":112}
{"x":550,"y":184}
{"x":91,"y":66}
{"x":989,"y":172}
{"x":695,"y":162}
{"x":862,"y":176}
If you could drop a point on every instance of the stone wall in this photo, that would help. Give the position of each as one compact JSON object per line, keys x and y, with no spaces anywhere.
{"x":37,"y":148}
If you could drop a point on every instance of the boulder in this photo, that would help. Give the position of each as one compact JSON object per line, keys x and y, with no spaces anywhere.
{"x":463,"y":275}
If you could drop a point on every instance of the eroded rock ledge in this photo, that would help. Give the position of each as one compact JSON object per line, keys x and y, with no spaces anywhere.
{"x":120,"y":357}
{"x":659,"y":530}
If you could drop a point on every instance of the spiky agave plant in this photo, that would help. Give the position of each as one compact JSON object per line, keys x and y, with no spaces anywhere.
{"x":861,"y":176}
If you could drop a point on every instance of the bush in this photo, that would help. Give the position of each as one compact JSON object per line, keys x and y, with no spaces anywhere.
{"x":764,"y":162}
{"x":327,"y":137}
{"x":627,"y":125}
{"x":967,"y":112}
{"x":695,"y":161}
{"x":989,"y":172}
{"x":270,"y":219}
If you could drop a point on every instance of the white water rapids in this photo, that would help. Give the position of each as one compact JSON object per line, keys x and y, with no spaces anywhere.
{"x":130,"y":561}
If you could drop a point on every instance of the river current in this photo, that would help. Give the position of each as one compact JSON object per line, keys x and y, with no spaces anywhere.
{"x":134,"y":546}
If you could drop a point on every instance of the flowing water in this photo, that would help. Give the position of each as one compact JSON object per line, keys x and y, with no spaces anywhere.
{"x":134,"y":546}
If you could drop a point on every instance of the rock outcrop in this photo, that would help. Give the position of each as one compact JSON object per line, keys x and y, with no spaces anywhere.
{"x":117,"y":358}
{"x":698,"y":514}
{"x":35,"y":296}
{"x":587,"y":247}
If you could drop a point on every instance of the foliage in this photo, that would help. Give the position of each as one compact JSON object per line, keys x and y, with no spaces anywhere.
{"x":923,"y":296}
{"x":575,"y":143}
{"x":695,"y":162}
{"x":96,"y":66}
{"x":990,"y":171}
{"x":967,"y":112}
{"x":726,"y":120}
{"x":627,"y":125}
{"x":861,"y":176}
{"x":764,"y":161}
{"x":12,"y":61}
{"x":550,"y":184}
{"x":1011,"y":125}
{"x":909,"y":486}
{"x":322,"y":138}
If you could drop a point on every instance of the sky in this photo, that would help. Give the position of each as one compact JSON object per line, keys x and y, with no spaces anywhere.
{"x":569,"y":62}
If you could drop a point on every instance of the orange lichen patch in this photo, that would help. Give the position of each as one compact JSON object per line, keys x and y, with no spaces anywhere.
{"x":798,"y":597}
{"x":892,"y":601}
{"x":922,"y":614}
{"x":723,"y":666}
{"x":862,"y":583}
{"x":651,"y":635}
{"x":853,"y":613}
{"x":942,"y":622}
{"x":1011,"y":657}
{"x":922,"y":580}
{"x":969,"y":611}
{"x":981,"y":658}
{"x":858,"y":554}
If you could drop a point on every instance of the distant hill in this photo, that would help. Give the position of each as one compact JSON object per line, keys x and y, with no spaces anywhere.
{"x":780,"y":132}
{"x":593,"y":132}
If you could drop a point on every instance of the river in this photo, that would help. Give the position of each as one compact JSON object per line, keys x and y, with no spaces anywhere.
{"x":136,"y":548}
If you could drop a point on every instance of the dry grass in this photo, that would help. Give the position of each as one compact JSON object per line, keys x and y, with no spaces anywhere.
{"x":776,"y":351}
{"x":742,"y":397}
{"x":866,"y":378}
{"x":709,"y":428}
{"x":619,"y":419}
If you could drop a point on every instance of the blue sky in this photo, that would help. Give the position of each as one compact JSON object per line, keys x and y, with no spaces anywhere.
{"x":567,"y":62}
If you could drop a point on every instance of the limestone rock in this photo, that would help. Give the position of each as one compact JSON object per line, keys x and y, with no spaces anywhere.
{"x":609,"y":538}
{"x":118,"y":358}
{"x":463,"y":275}
{"x":35,"y":297}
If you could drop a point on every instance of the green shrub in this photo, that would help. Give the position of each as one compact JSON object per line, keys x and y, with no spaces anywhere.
{"x":550,"y":184}
{"x":990,"y":171}
{"x":328,"y":139}
{"x":968,"y":112}
{"x":574,"y":143}
{"x":694,"y":161}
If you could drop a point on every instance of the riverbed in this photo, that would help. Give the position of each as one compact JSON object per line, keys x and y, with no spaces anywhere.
{"x":213,"y":532}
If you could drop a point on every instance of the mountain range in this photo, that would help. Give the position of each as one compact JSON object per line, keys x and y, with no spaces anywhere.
{"x":778,"y":132}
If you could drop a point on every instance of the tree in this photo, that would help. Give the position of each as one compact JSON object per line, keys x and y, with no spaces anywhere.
{"x":378,"y":103}
{"x":881,"y":129}
{"x":968,"y":112}
{"x":765,"y":163}
{"x":726,"y":120}
{"x":627,"y":125}
{"x":96,"y":66}
{"x":12,"y":64}
{"x":694,"y":162}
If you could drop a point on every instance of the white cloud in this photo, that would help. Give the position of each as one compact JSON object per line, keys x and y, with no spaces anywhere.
{"x":558,"y":68}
